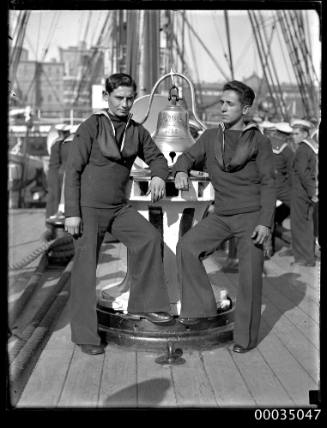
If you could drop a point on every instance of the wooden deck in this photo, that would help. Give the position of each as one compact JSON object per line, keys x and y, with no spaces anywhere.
{"x":280,"y":372}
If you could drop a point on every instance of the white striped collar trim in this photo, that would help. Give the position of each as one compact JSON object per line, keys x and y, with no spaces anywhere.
{"x":312,"y":144}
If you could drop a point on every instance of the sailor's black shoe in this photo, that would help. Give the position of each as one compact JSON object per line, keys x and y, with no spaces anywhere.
{"x":240,"y":349}
{"x":92,"y":349}
{"x":155,"y":317}
{"x":190,"y":321}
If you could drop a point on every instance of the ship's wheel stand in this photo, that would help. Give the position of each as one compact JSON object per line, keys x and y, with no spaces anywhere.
{"x":173,"y":215}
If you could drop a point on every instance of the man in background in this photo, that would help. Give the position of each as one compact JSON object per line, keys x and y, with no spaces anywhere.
{"x":304,"y":194}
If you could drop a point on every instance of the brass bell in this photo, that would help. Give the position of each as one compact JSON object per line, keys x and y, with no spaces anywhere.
{"x":172,"y":135}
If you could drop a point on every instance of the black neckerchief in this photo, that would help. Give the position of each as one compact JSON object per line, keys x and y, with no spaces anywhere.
{"x":107,"y":136}
{"x":245,"y":149}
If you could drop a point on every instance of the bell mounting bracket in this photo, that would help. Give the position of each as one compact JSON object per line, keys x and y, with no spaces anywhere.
{"x":174,"y":96}
{"x":171,"y":75}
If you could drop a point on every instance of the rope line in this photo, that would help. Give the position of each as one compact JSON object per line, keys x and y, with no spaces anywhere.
{"x":51,"y":247}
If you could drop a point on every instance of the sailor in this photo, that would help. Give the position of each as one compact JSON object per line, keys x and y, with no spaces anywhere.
{"x":283,"y":160}
{"x":98,"y":169}
{"x":65,"y":148}
{"x":304,"y":193}
{"x":54,"y":177}
{"x":239,"y":161}
{"x":315,"y":137}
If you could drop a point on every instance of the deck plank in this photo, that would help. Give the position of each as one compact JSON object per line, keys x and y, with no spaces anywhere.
{"x":45,"y":384}
{"x":261,"y":381}
{"x":296,"y":343}
{"x":118,"y":383}
{"x":48,"y":376}
{"x":290,"y":309}
{"x":61,"y":333}
{"x":289,"y":333}
{"x":82,"y":383}
{"x":227,"y":382}
{"x":42,"y":291}
{"x":301,"y":341}
{"x":290,"y":373}
{"x":310,"y":275}
{"x":294,"y":278}
{"x":81,"y":388}
{"x":279,"y":372}
{"x":155,"y":386}
{"x":191,"y":383}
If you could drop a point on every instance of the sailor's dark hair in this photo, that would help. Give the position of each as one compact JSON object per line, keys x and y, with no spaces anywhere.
{"x":119,"y":79}
{"x":246,"y":94}
{"x":303,"y":129}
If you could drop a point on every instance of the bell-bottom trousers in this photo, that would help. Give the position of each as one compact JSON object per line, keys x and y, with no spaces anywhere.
{"x":302,"y":228}
{"x":148,"y":291}
{"x":197,"y":297}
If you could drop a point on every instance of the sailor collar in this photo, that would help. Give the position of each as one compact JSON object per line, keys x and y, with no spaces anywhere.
{"x":312,"y":144}
{"x":223,"y":128}
{"x":245,"y":148}
{"x":104,"y":112}
{"x":249,"y":126}
{"x":278,"y":149}
{"x":277,"y":144}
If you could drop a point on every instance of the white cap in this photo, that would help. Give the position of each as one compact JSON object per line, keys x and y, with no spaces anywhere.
{"x":284,"y":127}
{"x":267,"y":125}
{"x":302,"y":122}
{"x":74,"y":128}
{"x":60,"y":127}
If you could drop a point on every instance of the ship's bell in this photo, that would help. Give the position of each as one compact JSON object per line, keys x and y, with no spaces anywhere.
{"x":172,"y":135}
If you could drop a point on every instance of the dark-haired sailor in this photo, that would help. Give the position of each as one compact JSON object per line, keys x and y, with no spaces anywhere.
{"x":98,"y":169}
{"x":239,"y":160}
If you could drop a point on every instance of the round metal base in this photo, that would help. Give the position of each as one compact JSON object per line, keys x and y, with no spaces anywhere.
{"x":139,"y":333}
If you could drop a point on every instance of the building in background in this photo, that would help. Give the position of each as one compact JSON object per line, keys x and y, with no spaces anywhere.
{"x":62,"y":90}
{"x":59,"y":90}
{"x":83,"y":68}
{"x":39,"y":85}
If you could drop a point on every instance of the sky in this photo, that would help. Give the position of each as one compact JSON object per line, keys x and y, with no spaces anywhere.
{"x":49,"y":30}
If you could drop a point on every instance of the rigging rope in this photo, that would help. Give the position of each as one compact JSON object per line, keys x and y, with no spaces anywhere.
{"x":272,"y":68}
{"x":51,"y":34}
{"x":286,"y":63}
{"x":220,"y":39}
{"x":289,"y":38}
{"x":206,"y":49}
{"x":57,"y":246}
{"x":197,"y":88}
{"x":91,"y":63}
{"x":252,"y":21}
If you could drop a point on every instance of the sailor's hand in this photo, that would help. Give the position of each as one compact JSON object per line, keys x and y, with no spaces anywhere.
{"x":73,"y":225}
{"x":314,"y":199}
{"x":157,"y":188}
{"x":260,"y":234}
{"x":181,"y":181}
